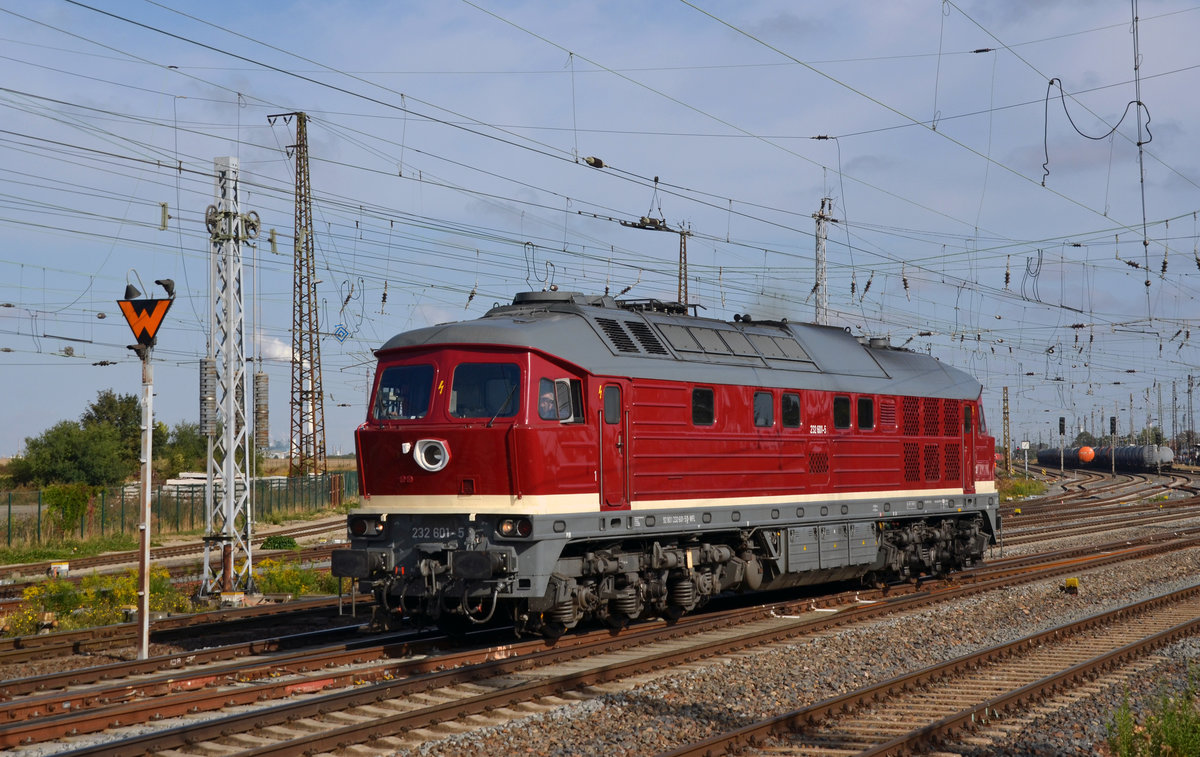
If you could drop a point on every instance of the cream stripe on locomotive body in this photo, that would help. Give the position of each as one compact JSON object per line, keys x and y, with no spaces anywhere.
{"x":579,"y":504}
{"x":570,"y":457}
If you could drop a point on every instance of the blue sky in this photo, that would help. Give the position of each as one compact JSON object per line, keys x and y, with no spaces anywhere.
{"x":447,"y":144}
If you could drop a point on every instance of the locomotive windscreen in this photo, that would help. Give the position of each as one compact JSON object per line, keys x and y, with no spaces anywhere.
{"x":404,"y":392}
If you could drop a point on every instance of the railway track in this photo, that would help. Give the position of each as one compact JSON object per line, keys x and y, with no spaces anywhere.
{"x":277,"y":674}
{"x":109,"y":560}
{"x":1132,"y":501}
{"x":20,"y":649}
{"x":376,"y":699}
{"x":971,"y":694}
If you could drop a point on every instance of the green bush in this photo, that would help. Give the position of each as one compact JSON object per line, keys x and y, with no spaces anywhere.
{"x":279,"y":541}
{"x":67,"y":504}
{"x":274,"y":577}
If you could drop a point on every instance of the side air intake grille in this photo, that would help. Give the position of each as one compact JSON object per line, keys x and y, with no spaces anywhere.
{"x":617,"y":335}
{"x":645,"y":335}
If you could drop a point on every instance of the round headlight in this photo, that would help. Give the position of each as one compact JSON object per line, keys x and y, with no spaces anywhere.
{"x":431,"y":454}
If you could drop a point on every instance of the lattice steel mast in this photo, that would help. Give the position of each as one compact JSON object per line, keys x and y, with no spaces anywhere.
{"x":820,"y":288}
{"x":683,"y":272}
{"x":225,"y":395}
{"x":307,"y":404}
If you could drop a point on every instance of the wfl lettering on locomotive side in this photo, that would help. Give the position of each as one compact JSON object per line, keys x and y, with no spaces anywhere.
{"x":572,"y":458}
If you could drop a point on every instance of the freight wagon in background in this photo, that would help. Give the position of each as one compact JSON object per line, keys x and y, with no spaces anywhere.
{"x":572,"y":457}
{"x":1138,"y":458}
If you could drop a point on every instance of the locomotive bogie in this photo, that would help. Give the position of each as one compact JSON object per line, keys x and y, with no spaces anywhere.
{"x":567,"y":459}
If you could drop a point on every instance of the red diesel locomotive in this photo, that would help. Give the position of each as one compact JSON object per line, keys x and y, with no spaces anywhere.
{"x":572,"y":457}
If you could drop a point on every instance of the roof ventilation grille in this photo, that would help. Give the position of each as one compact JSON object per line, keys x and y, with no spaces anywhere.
{"x":617,"y":335}
{"x":646,"y":336}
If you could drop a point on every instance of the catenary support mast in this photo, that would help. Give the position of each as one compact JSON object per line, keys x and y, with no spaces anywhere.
{"x":228,"y":564}
{"x":820,"y":287}
{"x":307,"y":404}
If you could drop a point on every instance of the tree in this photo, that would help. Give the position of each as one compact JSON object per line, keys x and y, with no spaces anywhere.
{"x":70,"y":453}
{"x":1152,"y":435}
{"x":123,"y":414}
{"x":185,"y":449}
{"x":1085,"y":439}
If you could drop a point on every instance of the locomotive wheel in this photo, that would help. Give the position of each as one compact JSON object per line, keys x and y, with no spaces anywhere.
{"x":385,"y":619}
{"x":617,"y":622}
{"x":673,"y":613}
{"x":874,"y":579}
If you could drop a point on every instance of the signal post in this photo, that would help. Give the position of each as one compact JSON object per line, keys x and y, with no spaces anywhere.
{"x":144,"y":317}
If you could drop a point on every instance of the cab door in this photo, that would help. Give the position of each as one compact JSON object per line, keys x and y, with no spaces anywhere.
{"x":614,"y":446}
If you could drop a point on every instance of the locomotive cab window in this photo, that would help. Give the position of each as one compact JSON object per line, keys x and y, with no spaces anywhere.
{"x":790,"y":410}
{"x":485,"y":390}
{"x":764,"y":414}
{"x":841,"y":412}
{"x":612,"y":405}
{"x":702,"y":406}
{"x":403,"y":393}
{"x":560,"y":400}
{"x":866,"y":413}
{"x":967,"y":418}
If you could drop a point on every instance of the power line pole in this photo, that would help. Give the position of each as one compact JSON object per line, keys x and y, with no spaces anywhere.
{"x":1132,"y":438}
{"x":225,"y":393}
{"x":1007,"y":442}
{"x":1191,"y":432}
{"x":308,"y":404}
{"x":683,"y":274}
{"x":821,"y":316}
{"x":1162,"y":422}
{"x":1174,"y":443}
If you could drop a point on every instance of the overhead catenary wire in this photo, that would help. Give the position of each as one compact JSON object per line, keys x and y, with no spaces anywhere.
{"x":337,"y":207}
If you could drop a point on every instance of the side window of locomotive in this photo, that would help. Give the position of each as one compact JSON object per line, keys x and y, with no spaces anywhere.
{"x":790,"y":410}
{"x":702,"y":406}
{"x":560,"y":399}
{"x":866,"y":413}
{"x":404,"y":392}
{"x":485,"y":390}
{"x":967,"y":418}
{"x":764,"y":411}
{"x":612,"y":405}
{"x":841,"y":412}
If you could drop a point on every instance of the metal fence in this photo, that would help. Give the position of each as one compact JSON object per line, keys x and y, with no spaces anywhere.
{"x":173,"y":509}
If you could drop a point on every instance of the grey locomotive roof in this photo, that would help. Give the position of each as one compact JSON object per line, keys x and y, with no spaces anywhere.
{"x":661,"y":341}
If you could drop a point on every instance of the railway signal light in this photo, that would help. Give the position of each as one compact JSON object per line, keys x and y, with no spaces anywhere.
{"x":1062,"y":425}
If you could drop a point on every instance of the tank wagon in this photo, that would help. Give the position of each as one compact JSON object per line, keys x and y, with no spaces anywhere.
{"x":1144,"y":457}
{"x":572,"y":457}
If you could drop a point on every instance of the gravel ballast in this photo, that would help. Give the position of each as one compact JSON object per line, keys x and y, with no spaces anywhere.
{"x":691,"y":704}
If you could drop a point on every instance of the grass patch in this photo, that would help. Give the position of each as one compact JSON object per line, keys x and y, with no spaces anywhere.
{"x":66,"y":549}
{"x":1171,"y":728}
{"x":1018,"y":487}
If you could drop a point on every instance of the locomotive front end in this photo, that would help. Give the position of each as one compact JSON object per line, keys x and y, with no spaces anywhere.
{"x":454,"y":517}
{"x":446,"y":569}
